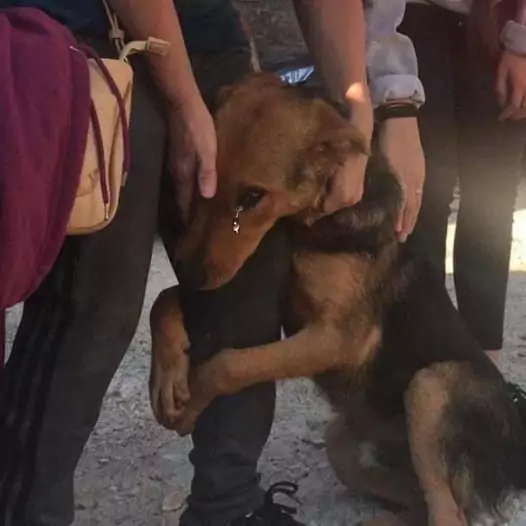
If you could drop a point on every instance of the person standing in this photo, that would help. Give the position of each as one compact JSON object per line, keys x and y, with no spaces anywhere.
{"x":473,"y":134}
{"x":77,"y":326}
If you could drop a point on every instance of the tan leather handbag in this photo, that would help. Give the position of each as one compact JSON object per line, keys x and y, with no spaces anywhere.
{"x":106,"y":161}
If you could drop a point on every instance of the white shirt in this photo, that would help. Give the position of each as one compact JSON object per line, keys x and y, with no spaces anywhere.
{"x":392,"y":66}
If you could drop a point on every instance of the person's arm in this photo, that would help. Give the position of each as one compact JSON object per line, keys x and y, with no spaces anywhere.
{"x":513,"y":36}
{"x":353,"y":50}
{"x":173,"y":72}
{"x":334,"y":31}
{"x":391,"y":59}
{"x":393,"y":78}
{"x":193,"y":140}
{"x":520,"y":16}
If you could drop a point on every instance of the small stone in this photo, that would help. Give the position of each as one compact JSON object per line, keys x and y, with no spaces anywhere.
{"x":174,"y":502}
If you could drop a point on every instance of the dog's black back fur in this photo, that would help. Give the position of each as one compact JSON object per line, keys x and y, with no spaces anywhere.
{"x":482,"y":432}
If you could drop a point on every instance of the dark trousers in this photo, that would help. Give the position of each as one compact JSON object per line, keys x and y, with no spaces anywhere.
{"x":78,"y":325}
{"x":464,"y":142}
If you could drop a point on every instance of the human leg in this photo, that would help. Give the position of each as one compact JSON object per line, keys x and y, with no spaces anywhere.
{"x":490,"y":162}
{"x":231,"y":434}
{"x":74,"y":332}
{"x":429,"y":28}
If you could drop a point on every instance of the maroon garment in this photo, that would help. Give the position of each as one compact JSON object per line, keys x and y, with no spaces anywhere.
{"x":44,"y":118}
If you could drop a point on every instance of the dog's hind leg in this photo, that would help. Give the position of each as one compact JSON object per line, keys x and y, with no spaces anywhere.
{"x":426,"y":402}
{"x":355,"y":465}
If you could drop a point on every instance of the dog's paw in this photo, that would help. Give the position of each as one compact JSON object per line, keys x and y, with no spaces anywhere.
{"x":169,"y":391}
{"x":203,"y":390}
{"x":185,"y":424}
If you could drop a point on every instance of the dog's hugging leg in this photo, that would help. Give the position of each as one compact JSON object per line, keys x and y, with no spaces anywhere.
{"x":170,"y":361}
{"x":316,"y":349}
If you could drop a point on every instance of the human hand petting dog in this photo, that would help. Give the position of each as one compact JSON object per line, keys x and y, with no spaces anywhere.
{"x":346,"y":187}
{"x":192,"y":152}
{"x":399,"y":141}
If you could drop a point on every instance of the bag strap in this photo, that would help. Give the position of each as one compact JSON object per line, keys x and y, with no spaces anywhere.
{"x":117,"y":36}
{"x":116,"y":33}
{"x":97,"y":132}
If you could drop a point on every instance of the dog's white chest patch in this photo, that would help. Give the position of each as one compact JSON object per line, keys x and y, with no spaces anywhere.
{"x":368,"y":455}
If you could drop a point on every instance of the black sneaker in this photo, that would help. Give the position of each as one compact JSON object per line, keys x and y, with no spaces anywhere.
{"x":272,"y":513}
{"x":518,"y":396}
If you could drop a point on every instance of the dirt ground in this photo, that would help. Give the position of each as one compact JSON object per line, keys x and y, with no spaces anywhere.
{"x":133,"y":473}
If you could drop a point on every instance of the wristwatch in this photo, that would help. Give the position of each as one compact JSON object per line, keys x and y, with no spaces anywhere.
{"x":395,"y":110}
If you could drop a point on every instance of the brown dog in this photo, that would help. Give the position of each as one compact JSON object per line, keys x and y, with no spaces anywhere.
{"x":424,"y":419}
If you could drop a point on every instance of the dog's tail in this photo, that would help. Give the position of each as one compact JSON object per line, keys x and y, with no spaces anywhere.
{"x":484,"y":447}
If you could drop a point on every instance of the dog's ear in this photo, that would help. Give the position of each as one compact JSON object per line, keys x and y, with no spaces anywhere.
{"x":327,"y":154}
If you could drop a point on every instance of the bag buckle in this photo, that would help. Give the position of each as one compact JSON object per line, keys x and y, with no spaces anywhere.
{"x":153,"y":45}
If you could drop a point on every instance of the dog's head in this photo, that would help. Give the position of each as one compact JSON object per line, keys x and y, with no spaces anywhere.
{"x":277,"y":150}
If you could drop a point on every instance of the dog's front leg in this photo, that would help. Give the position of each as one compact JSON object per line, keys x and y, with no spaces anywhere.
{"x":314,"y":350}
{"x":170,"y":361}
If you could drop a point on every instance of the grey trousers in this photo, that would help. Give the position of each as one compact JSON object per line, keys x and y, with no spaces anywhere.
{"x":77,"y":327}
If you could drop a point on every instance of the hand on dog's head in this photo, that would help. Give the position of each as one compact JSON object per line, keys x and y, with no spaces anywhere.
{"x":278,"y":148}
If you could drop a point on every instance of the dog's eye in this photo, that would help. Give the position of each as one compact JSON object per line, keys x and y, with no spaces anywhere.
{"x":250,"y":198}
